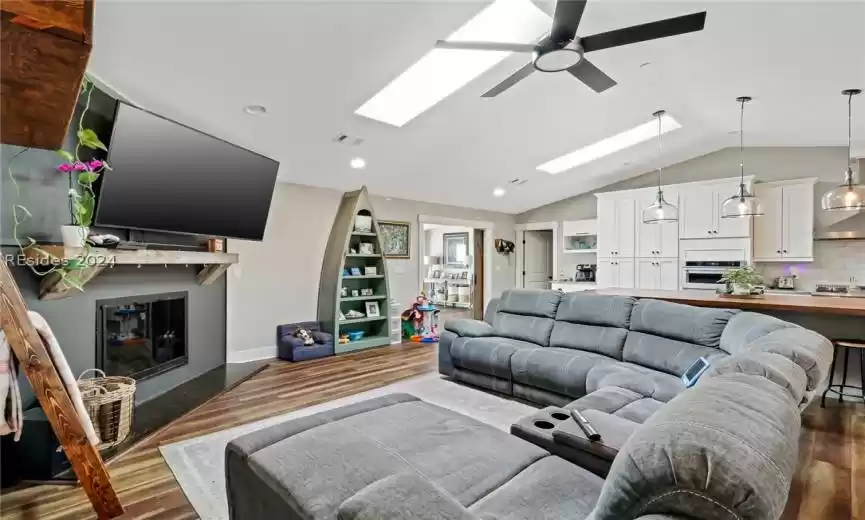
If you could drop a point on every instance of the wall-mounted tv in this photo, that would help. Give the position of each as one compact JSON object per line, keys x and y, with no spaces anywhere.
{"x":168,"y":177}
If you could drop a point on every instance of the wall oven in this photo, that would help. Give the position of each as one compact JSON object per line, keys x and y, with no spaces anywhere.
{"x":706,"y":274}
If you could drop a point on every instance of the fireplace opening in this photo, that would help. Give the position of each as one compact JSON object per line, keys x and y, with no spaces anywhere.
{"x":142,"y":336}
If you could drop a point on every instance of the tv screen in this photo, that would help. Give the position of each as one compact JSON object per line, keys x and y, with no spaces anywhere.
{"x":169,"y":177}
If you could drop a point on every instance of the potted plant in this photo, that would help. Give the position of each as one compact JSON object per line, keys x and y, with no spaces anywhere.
{"x":742,"y":280}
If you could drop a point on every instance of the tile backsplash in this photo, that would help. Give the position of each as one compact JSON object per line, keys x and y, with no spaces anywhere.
{"x":835,"y":261}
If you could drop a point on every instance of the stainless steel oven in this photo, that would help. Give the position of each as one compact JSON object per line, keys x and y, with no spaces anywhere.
{"x":706,"y":274}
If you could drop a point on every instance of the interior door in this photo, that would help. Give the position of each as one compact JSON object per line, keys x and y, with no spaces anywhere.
{"x":479,"y":275}
{"x":537,"y":259}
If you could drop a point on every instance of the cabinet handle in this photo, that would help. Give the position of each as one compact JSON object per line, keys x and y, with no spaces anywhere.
{"x":785,"y":251}
{"x":778,"y":251}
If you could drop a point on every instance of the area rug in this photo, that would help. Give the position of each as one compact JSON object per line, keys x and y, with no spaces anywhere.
{"x":198,"y":463}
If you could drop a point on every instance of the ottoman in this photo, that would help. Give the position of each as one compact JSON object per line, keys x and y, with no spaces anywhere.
{"x":397,"y":451}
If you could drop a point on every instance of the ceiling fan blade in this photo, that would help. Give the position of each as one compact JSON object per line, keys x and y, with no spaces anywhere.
{"x":486,"y":46}
{"x":510,"y":81}
{"x":566,"y":19}
{"x":646,"y":31}
{"x":592,"y":76}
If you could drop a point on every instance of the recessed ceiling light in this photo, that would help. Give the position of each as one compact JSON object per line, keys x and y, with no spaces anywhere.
{"x":498,"y":192}
{"x":357,"y":163}
{"x":441,"y":72}
{"x":610,"y":145}
{"x":255,"y":110}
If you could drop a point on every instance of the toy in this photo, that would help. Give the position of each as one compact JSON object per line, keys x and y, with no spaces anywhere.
{"x":305,"y":335}
{"x":420,"y":323}
{"x":343,"y":339}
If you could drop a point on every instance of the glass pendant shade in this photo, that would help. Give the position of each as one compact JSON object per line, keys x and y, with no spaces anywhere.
{"x":660,"y":211}
{"x":742,"y":205}
{"x":846,"y":197}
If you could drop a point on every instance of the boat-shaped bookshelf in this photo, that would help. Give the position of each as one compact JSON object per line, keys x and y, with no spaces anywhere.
{"x":354,"y":281}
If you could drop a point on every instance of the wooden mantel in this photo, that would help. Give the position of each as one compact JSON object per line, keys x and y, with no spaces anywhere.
{"x":213,"y":265}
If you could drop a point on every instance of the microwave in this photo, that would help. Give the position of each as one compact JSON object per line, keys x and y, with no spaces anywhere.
{"x":697,"y":274}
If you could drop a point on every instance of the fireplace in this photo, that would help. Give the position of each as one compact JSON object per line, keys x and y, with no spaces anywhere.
{"x":142,"y":336}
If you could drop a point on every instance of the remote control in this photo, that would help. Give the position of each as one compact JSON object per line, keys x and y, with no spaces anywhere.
{"x":586,"y":426}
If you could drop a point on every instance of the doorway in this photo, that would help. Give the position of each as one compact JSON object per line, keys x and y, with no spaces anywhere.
{"x":537,"y":259}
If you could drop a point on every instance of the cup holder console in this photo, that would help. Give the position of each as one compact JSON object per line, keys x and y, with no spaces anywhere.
{"x":560,"y":416}
{"x":544,"y":425}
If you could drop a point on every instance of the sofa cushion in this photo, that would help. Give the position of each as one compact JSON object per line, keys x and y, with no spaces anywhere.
{"x":469,"y":328}
{"x":400,"y":496}
{"x":559,"y":370}
{"x":619,"y":402}
{"x":608,"y":341}
{"x":641,"y":380}
{"x":726,"y":449}
{"x":746,"y":327}
{"x":491,"y":356}
{"x":549,"y":489}
{"x":774,"y":367}
{"x":526,"y":315}
{"x":806,"y":348}
{"x":596,"y":309}
{"x":664,"y":354}
{"x":699,"y":325}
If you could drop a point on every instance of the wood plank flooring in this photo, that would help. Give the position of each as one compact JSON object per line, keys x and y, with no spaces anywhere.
{"x":830,"y":483}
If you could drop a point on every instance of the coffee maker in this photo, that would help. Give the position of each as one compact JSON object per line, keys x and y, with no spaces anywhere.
{"x":585,"y":273}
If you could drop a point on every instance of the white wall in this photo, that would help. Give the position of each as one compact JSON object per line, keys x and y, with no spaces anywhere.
{"x":277,"y":279}
{"x":766,"y":164}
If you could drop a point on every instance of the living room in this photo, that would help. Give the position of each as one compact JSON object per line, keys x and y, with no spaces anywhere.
{"x":396,"y":148}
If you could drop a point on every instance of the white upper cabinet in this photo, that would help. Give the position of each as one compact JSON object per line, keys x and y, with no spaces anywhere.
{"x":700,"y":212}
{"x":616,"y":226}
{"x":579,"y":236}
{"x":656,"y":240}
{"x":786,"y":231}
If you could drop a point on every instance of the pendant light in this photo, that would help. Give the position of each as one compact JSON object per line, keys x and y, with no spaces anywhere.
{"x":742,"y":204}
{"x":848,"y":196}
{"x":660,"y":211}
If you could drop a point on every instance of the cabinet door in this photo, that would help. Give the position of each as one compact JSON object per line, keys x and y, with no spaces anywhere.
{"x":648,"y":274}
{"x":668,"y":243}
{"x":626,"y":232}
{"x":768,"y":228}
{"x":648,"y":235}
{"x":626,"y":273}
{"x":607,"y":274}
{"x":697,"y":212}
{"x":668,"y":271}
{"x":607,"y":234}
{"x":798,"y":221}
{"x":729,"y":227}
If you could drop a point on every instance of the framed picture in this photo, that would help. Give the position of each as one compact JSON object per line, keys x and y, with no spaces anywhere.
{"x":456,"y":249}
{"x":366,"y":248}
{"x":370,"y":270}
{"x":355,"y":293}
{"x":394,"y":238}
{"x":372,"y":309}
{"x":355,"y":271}
{"x":344,"y":292}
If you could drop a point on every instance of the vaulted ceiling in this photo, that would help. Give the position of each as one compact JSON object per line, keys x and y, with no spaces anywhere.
{"x":312,"y":64}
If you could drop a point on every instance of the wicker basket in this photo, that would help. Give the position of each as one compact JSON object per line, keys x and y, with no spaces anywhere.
{"x":110,"y":401}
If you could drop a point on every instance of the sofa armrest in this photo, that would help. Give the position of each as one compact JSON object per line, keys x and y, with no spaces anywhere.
{"x":469,"y":328}
{"x":404,"y":496}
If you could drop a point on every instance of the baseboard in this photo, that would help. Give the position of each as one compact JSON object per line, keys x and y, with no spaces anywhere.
{"x":252,"y":354}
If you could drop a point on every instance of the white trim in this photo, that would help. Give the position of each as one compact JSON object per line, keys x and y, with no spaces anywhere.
{"x":488,"y":228}
{"x":251,"y":354}
{"x":535,"y":226}
{"x":749,"y":180}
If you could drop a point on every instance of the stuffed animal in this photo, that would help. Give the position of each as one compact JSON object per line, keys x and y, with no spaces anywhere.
{"x":305,"y":335}
{"x":343,"y":339}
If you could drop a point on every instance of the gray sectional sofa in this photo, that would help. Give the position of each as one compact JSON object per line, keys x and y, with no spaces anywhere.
{"x":725,"y":449}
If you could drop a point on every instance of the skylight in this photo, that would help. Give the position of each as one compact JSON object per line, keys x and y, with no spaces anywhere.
{"x":610,"y":145}
{"x":441,"y":72}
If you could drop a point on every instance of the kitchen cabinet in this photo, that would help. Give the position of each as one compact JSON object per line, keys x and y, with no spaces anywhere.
{"x":579,"y":236}
{"x":656,"y":240}
{"x":616,"y":226}
{"x":700,"y":212}
{"x":785,"y":233}
{"x":657,"y":274}
{"x":616,"y":273}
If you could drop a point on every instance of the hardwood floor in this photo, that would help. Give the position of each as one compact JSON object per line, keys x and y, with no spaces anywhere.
{"x":830,"y":483}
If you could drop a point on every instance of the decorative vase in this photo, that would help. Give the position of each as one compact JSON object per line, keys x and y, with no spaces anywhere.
{"x":741,"y":289}
{"x":74,"y":236}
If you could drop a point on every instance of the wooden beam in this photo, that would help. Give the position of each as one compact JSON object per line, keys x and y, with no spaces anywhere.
{"x":48,"y":387}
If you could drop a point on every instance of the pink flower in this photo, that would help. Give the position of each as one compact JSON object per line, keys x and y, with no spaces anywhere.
{"x":79,"y":166}
{"x":65,"y":168}
{"x":95,"y":164}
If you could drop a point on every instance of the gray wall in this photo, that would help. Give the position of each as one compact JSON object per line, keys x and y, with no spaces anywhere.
{"x":73,"y":319}
{"x":766,"y":164}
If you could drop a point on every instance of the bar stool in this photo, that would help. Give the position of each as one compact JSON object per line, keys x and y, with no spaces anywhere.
{"x":846,"y":345}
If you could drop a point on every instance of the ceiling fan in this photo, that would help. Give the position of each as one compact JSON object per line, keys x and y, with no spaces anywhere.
{"x":563,"y":50}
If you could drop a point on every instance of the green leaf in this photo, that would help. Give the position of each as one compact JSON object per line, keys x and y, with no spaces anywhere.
{"x":68,"y":157}
{"x":88,"y":138}
{"x":87,"y":177}
{"x":74,"y":264}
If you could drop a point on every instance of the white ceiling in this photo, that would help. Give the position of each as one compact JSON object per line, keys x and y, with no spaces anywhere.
{"x":314,"y":63}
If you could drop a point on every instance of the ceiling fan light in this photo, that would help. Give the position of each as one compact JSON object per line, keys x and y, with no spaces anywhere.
{"x":557,"y":60}
{"x":660,"y":211}
{"x":742,"y":205}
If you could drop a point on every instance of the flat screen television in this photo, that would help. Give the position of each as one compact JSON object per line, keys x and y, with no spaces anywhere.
{"x":168,"y":177}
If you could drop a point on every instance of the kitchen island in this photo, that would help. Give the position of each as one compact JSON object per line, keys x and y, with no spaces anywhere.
{"x":793,"y":303}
